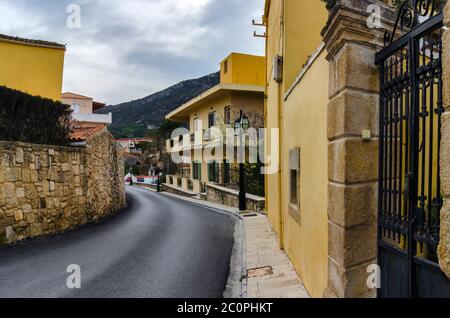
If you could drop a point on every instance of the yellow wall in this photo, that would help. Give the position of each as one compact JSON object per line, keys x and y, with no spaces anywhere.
{"x":271,"y":113}
{"x":302,"y":120}
{"x":201,"y":112}
{"x":304,"y":21}
{"x":250,"y":103}
{"x":243,"y":69}
{"x":32,"y":69}
{"x":307,"y":243}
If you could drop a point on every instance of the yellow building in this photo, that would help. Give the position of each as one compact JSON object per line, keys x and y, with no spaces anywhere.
{"x":297,"y":98}
{"x":32,"y":66}
{"x":241,"y":88}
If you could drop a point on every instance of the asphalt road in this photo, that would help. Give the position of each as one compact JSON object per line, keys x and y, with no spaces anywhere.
{"x":159,"y":247}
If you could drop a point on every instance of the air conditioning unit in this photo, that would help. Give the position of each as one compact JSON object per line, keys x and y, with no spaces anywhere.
{"x":278,"y":69}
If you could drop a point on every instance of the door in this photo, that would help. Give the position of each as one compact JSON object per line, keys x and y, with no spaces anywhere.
{"x":410,"y":199}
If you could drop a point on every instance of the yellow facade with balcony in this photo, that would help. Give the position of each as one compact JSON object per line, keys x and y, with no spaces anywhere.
{"x":32,"y":66}
{"x":241,"y":88}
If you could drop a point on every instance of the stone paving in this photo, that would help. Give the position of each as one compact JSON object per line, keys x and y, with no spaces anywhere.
{"x":263,"y":251}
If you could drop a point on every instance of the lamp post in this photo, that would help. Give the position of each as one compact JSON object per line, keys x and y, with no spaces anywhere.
{"x":131,"y":175}
{"x":242,"y":124}
{"x":159,"y":169}
{"x":158,"y":180}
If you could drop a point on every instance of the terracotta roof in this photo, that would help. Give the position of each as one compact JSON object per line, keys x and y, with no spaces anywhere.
{"x":32,"y":42}
{"x":81,"y":134}
{"x":74,"y":96}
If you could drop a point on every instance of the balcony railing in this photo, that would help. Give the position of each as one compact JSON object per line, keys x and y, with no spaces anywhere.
{"x":93,"y":118}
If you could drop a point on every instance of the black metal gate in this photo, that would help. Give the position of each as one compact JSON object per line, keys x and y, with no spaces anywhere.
{"x":410,"y":132}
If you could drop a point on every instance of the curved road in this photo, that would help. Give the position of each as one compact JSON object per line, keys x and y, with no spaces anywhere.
{"x":158,"y":247}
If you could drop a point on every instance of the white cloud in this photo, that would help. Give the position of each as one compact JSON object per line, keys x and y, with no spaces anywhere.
{"x":129,"y":49}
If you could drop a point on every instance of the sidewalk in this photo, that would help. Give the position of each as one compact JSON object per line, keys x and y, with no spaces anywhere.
{"x":271,"y":274}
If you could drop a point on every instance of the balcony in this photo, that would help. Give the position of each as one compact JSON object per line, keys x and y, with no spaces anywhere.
{"x":93,"y":118}
{"x":180,"y":143}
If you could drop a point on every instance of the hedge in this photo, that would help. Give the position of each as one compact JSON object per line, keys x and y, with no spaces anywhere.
{"x":33,"y":119}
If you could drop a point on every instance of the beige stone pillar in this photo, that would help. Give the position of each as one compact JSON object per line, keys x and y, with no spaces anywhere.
{"x":444,"y":246}
{"x":353,"y":162}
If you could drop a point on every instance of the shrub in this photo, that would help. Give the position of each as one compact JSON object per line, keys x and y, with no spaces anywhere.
{"x":33,"y":119}
{"x":329,"y":4}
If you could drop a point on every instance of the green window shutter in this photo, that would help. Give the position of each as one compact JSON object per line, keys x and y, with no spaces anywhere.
{"x":216,"y":172}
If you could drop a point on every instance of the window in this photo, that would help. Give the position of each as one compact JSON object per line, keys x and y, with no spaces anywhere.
{"x":225,"y":67}
{"x":226,"y":172}
{"x":197,"y":124}
{"x":75,"y":107}
{"x":227,"y":116}
{"x":197,"y":170}
{"x":172,"y":143}
{"x":294,"y":174}
{"x":213,"y":172}
{"x":294,"y":187}
{"x":212,"y":117}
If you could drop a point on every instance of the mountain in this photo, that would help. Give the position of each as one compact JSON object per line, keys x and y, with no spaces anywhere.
{"x":131,"y":119}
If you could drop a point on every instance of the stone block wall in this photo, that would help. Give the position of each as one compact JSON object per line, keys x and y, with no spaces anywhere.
{"x":49,"y":189}
{"x":353,"y":161}
{"x":105,"y":176}
{"x":444,"y":246}
{"x":228,"y":197}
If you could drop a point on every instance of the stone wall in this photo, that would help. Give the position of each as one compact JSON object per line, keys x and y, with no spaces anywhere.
{"x":228,"y":197}
{"x":177,"y":190}
{"x":444,"y":246}
{"x":353,"y":161}
{"x":49,"y":189}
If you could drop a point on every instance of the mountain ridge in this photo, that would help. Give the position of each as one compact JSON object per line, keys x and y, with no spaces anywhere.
{"x":131,"y":119}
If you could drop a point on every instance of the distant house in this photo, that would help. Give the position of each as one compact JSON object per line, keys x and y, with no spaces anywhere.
{"x":32,"y":66}
{"x":129,"y":144}
{"x":84,"y":109}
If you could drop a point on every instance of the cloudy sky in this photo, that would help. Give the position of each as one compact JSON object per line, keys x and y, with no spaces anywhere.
{"x":127,"y":49}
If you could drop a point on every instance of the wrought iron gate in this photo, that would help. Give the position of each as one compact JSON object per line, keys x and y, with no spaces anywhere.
{"x":410,"y":131}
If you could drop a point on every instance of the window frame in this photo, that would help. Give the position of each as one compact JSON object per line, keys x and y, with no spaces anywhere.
{"x":214,"y":121}
{"x":226,"y":172}
{"x":227,"y":111}
{"x":213,"y":172}
{"x":196,"y":170}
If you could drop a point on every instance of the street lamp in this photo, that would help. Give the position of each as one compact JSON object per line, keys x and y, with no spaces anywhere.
{"x":159,"y":169}
{"x":131,"y":176}
{"x":158,"y":180}
{"x":242,"y":124}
